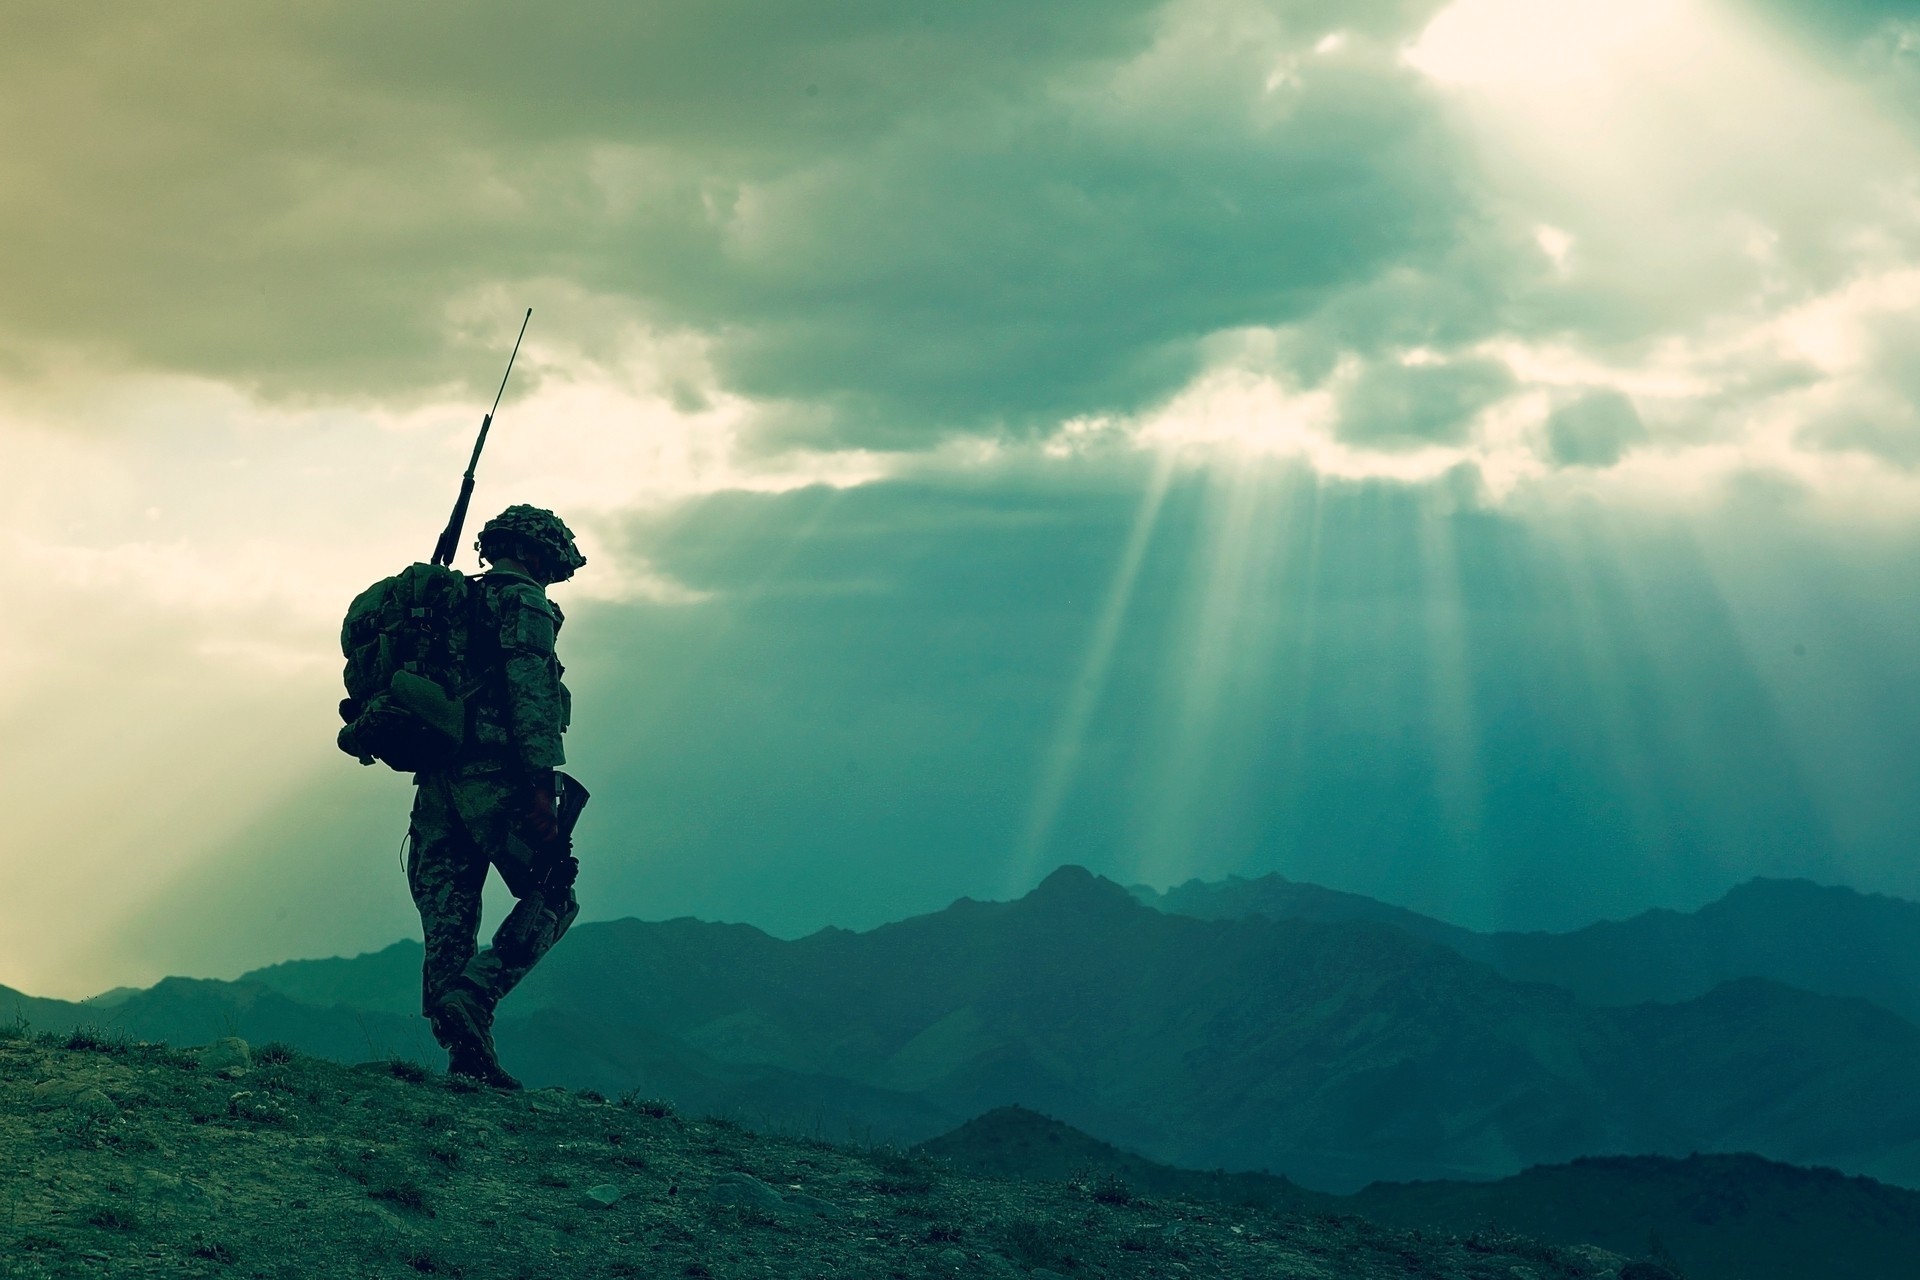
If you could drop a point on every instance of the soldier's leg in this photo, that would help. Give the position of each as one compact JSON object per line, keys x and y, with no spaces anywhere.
{"x":446,"y":872}
{"x":536,"y":922}
{"x":497,"y":813}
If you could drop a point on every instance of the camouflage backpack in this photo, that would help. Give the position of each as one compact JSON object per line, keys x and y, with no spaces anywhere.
{"x":406,"y":640}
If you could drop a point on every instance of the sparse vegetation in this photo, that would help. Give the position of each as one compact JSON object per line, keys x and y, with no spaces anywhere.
{"x":96,"y":1039}
{"x":390,"y":1174}
{"x":113,"y":1217}
{"x":902,"y":1174}
{"x":653,"y":1108}
{"x":406,"y":1069}
{"x":273,"y":1054}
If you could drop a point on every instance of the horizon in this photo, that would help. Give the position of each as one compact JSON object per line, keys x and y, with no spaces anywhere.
{"x":1465,"y":453}
{"x":495,"y":911}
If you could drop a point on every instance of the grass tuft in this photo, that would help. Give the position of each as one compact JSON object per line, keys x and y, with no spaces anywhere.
{"x":113,"y":1217}
{"x":404,"y":1192}
{"x":91,"y":1039}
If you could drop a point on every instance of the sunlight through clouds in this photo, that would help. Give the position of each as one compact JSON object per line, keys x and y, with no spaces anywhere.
{"x":1514,"y":44}
{"x":1207,"y":435}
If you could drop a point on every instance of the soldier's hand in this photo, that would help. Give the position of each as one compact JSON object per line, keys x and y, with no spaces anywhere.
{"x":543,"y":822}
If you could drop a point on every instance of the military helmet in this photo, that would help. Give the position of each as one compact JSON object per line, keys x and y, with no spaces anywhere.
{"x":536,"y":527}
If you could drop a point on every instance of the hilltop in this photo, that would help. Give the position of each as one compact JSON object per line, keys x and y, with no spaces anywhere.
{"x":123,"y":1158}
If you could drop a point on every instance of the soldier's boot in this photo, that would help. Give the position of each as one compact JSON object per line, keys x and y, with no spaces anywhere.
{"x":463,"y":1024}
{"x":474,"y":1063}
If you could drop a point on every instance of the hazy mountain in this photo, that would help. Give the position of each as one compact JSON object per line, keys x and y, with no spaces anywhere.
{"x":1723,"y":1217}
{"x":1338,"y":1053}
{"x":1819,"y":938}
{"x":1279,"y":898}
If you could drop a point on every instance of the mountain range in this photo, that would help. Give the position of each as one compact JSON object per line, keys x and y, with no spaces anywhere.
{"x":1338,"y":1044}
{"x":1824,"y":939}
{"x":1719,"y":1217}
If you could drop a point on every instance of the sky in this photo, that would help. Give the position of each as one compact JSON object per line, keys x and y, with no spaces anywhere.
{"x":1463,"y":453}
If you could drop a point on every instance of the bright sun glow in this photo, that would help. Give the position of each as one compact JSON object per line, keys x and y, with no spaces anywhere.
{"x":1492,"y":42}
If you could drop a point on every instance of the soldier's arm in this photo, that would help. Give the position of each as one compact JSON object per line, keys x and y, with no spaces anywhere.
{"x":534,"y":698}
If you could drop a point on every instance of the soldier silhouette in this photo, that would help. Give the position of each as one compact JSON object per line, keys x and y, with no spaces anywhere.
{"x":499,"y":802}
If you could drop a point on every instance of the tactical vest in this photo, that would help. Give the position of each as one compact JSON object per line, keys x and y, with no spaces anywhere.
{"x":519,"y":706}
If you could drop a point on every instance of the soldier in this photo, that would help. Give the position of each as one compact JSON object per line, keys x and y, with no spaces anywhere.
{"x":495,"y":804}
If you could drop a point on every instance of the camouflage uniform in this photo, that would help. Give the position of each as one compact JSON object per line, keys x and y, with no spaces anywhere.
{"x":478,"y":811}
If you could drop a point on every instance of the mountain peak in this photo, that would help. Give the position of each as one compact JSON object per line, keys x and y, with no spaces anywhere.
{"x":1075,"y":885}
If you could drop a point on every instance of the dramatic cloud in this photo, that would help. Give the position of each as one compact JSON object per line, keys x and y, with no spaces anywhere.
{"x":921,"y":219}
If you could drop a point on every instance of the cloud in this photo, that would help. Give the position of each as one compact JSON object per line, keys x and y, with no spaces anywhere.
{"x":1593,"y":430}
{"x":919,"y":220}
{"x":1413,"y":402}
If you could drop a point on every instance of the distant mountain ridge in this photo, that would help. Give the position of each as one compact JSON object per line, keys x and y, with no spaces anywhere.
{"x":1721,"y":1217}
{"x":1824,"y":939}
{"x":1335,"y":1052}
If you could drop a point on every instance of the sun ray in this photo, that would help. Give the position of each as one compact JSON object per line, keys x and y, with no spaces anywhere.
{"x":1061,"y":763}
{"x":1224,"y":670}
{"x":1453,"y":728}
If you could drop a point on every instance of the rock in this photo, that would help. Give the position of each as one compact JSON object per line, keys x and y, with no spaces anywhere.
{"x":228,"y":1057}
{"x":953,"y":1259}
{"x":258,"y":1108}
{"x":604,"y":1196}
{"x":1043,"y":1273}
{"x":801,"y":1202}
{"x":747,"y":1191}
{"x":75,"y":1095}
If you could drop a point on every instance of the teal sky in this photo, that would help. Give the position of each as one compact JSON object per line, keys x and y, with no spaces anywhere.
{"x":1463,"y":453}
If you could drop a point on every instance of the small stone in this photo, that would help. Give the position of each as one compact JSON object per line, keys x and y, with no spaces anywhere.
{"x":228,"y":1057}
{"x":75,"y":1095}
{"x":604,"y":1196}
{"x":747,"y":1191}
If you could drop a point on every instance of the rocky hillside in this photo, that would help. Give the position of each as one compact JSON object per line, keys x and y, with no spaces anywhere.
{"x":126,"y":1159}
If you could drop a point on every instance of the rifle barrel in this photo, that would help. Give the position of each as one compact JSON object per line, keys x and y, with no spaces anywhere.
{"x":447,"y":547}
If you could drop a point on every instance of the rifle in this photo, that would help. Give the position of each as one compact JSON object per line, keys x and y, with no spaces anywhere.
{"x":448,"y":546}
